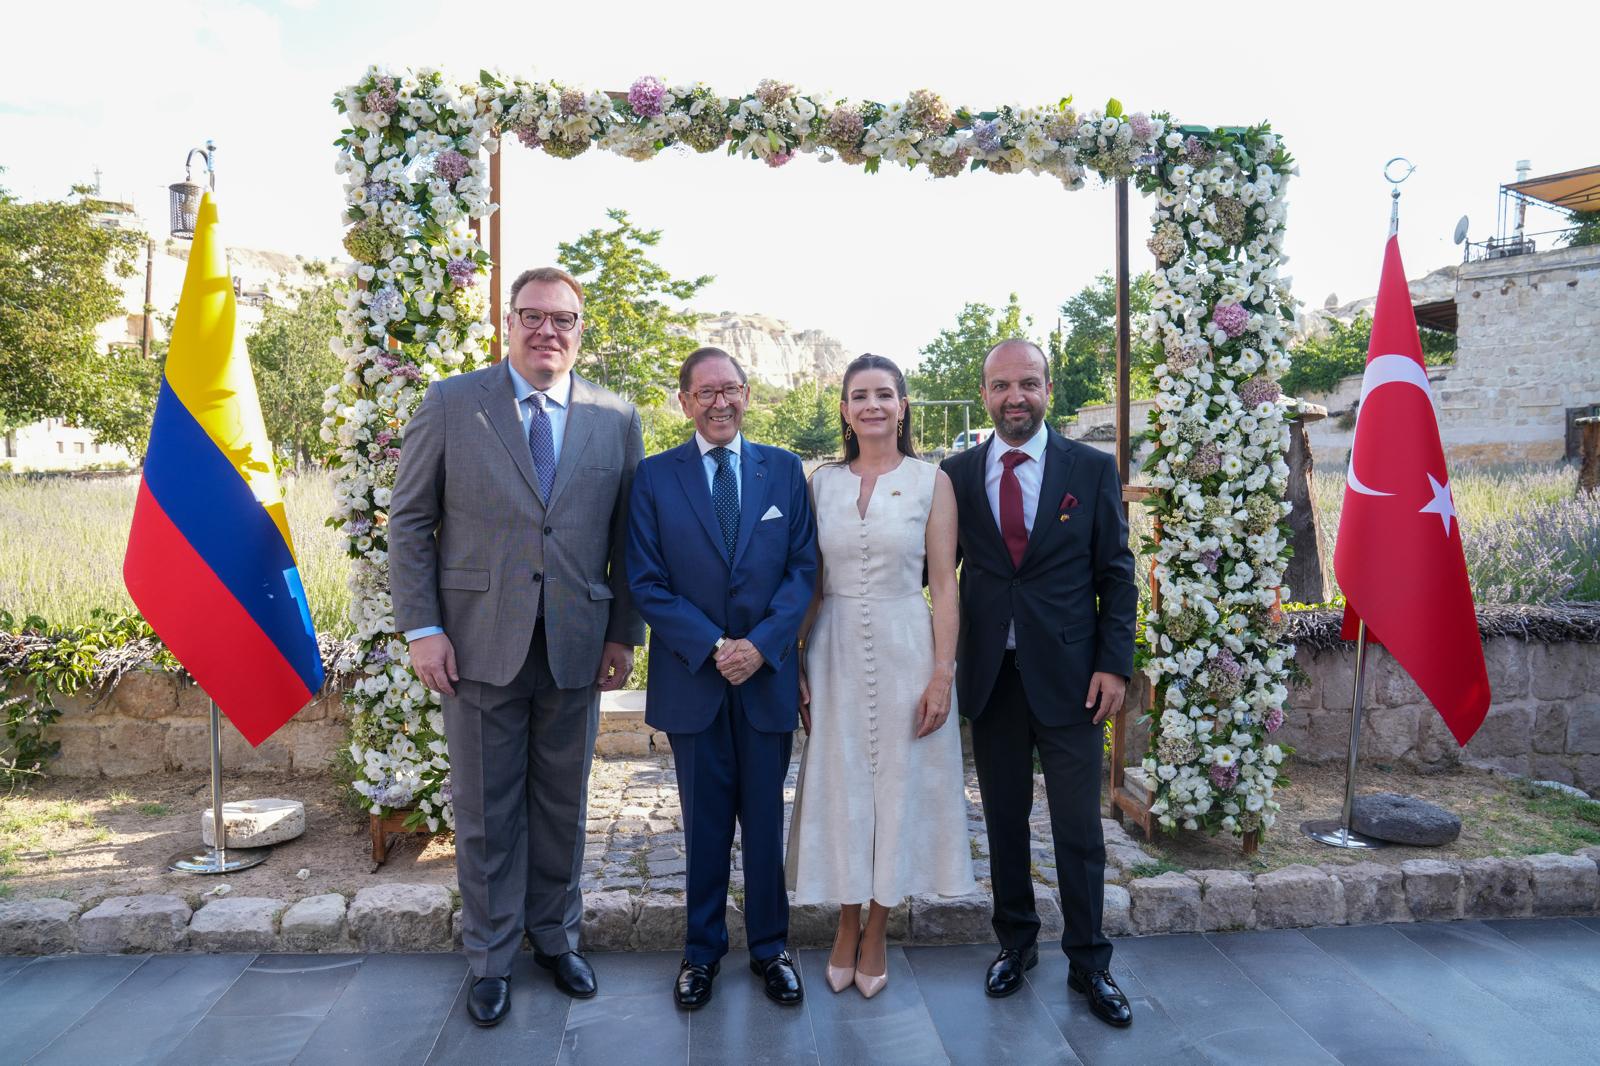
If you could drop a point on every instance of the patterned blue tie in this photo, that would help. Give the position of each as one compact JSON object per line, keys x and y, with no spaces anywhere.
{"x":542,"y":443}
{"x":725,"y":497}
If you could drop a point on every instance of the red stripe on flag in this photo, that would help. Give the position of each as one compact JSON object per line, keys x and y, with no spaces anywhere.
{"x":205,"y":627}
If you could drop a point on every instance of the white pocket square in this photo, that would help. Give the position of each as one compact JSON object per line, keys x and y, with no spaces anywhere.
{"x":772,"y":512}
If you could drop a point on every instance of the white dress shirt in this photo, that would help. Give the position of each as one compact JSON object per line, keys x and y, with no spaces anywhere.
{"x":710,"y":464}
{"x":1030,"y":476}
{"x":557,"y":401}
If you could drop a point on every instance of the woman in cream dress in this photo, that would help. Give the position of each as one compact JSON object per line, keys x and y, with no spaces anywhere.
{"x":880,"y":810}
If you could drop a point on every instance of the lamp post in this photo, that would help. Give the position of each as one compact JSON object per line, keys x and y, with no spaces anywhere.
{"x":184,"y":196}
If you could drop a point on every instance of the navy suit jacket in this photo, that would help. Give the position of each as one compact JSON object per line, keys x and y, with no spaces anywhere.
{"x":690,"y":594}
{"x":1073,"y":599}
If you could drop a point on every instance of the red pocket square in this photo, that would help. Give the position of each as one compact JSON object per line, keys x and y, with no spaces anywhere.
{"x":1068,"y":502}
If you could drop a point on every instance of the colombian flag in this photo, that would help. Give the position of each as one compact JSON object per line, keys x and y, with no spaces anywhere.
{"x":210,"y":563}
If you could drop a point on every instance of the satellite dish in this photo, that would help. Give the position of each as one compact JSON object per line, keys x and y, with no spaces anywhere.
{"x":1461,"y":230}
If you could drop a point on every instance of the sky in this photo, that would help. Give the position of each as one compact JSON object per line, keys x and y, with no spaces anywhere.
{"x":881,"y":262}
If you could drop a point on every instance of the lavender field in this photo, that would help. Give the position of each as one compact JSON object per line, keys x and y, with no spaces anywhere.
{"x":1529,"y":539}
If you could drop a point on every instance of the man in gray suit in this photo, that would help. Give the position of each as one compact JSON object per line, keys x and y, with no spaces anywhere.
{"x":507,"y":527}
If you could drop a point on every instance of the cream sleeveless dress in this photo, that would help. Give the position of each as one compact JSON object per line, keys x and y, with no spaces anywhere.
{"x":878,"y":813}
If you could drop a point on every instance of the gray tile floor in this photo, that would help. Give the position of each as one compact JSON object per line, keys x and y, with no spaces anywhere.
{"x":1459,"y":992}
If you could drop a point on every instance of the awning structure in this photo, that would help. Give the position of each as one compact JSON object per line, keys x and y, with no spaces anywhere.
{"x":1575,"y":190}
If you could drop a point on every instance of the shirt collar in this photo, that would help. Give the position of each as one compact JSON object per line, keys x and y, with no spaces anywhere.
{"x":559,"y":394}
{"x":1034,"y":447}
{"x":705,"y":446}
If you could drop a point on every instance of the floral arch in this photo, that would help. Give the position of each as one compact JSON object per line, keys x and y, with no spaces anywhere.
{"x":419,"y":157}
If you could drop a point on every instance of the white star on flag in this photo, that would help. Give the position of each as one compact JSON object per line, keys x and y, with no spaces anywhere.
{"x":1442,"y":504}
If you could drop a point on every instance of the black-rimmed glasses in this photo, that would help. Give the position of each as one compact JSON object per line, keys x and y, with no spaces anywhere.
{"x":707,"y":396}
{"x":533,"y":318}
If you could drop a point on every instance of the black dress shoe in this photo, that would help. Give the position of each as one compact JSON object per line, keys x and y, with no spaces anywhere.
{"x":488,"y":1000}
{"x":781,"y":979}
{"x":693,"y":989}
{"x":1005,"y":972}
{"x":573,"y":974}
{"x":1105,"y":998}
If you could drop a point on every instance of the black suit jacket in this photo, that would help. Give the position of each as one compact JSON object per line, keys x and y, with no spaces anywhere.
{"x":1073,"y":598}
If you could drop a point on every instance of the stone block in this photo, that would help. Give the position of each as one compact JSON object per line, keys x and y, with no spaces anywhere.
{"x":396,"y":917}
{"x":613,"y":744}
{"x":1556,"y":673}
{"x":1116,"y":919}
{"x":1504,"y":734}
{"x":1388,"y":684}
{"x":1583,"y":728}
{"x":148,"y":694}
{"x":1507,"y":661}
{"x":1496,"y":888}
{"x":1552,"y":770}
{"x":812,"y":925}
{"x":130,"y":747}
{"x":607,"y":920}
{"x":1373,"y":893}
{"x":1227,"y":899}
{"x":313,"y":745}
{"x":952,"y":919}
{"x":1051,"y":923}
{"x":1308,"y":694}
{"x":80,"y":748}
{"x":255,"y":823}
{"x":316,"y":923}
{"x":236,"y":923}
{"x":1294,"y":896}
{"x":1338,"y":669}
{"x":1564,"y":884}
{"x":1433,"y":889}
{"x":1169,"y":903}
{"x":38,"y":926}
{"x":1586,"y":773}
{"x":1403,"y":820}
{"x":738,"y":934}
{"x":1389,"y":734}
{"x":1550,"y":728}
{"x":662,"y":923}
{"x":135,"y":923}
{"x":1125,"y":856}
{"x":1436,"y":747}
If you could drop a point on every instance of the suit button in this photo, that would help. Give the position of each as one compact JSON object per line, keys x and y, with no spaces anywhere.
{"x":548,"y":530}
{"x":537,"y":578}
{"x":1015,"y":582}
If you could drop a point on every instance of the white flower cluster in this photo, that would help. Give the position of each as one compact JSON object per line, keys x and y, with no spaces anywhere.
{"x":413,"y":160}
{"x":1218,"y":314}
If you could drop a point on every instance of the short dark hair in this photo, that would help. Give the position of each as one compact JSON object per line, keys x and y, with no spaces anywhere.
{"x":546,"y":274}
{"x":700,"y":355}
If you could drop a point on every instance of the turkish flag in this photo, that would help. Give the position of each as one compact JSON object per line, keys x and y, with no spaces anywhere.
{"x":1398,"y":556}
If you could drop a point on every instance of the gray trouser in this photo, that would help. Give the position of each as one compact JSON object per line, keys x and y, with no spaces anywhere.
{"x":519,"y":776}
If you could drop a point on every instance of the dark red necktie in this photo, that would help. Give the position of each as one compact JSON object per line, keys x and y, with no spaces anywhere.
{"x":1013,"y":527}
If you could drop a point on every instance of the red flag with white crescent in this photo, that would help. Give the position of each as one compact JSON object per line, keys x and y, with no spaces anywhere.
{"x":1398,"y":556}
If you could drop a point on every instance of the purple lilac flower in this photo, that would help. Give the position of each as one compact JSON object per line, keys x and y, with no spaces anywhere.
{"x":1230,"y":318}
{"x":1224,"y":777}
{"x":1196,"y":152}
{"x":1209,"y":559}
{"x":1206,"y":460}
{"x":452,"y":166}
{"x":1259,"y":390}
{"x":464,"y":272}
{"x":1274,"y":719}
{"x":1149,"y":159}
{"x":1140,"y":125}
{"x":771,"y":93}
{"x":378,"y":656}
{"x":444,"y":790}
{"x":645,"y":96}
{"x":528,"y":135}
{"x":383,"y":98}
{"x":986,"y":135}
{"x":387,"y":303}
{"x":379,"y":192}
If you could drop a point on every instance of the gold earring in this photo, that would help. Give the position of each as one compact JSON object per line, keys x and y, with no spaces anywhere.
{"x":899,"y":427}
{"x":848,"y":432}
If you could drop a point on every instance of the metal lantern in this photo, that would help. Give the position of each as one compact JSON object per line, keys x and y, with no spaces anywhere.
{"x":185,"y":195}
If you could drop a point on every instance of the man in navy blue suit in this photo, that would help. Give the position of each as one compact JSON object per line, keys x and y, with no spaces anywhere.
{"x":722,"y":560}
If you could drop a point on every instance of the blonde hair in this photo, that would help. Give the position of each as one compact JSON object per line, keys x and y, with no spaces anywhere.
{"x":546,"y":274}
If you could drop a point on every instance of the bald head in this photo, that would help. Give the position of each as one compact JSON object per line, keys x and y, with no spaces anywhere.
{"x":1011,"y":351}
{"x":1016,"y":389}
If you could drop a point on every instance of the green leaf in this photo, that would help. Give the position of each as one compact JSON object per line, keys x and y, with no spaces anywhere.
{"x":1113,"y":108}
{"x":1066,"y":102}
{"x":871,"y":165}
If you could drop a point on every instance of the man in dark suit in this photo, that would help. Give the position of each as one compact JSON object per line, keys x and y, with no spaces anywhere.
{"x":722,"y":560}
{"x":506,"y":528}
{"x":1046,"y":649}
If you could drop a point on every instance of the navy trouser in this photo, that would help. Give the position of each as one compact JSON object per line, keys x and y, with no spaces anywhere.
{"x":726,"y":771}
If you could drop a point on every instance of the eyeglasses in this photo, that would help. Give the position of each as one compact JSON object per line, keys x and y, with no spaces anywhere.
{"x":708,"y":396}
{"x":533,"y":318}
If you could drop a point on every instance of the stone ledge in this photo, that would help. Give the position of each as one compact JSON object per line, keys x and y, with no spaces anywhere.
{"x":400,"y":917}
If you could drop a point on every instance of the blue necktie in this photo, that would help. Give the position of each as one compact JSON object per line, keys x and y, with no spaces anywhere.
{"x":542,"y":443}
{"x":725,"y":497}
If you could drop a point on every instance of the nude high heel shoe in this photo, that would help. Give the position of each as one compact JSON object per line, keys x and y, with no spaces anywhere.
{"x":841,"y":977}
{"x":867,"y":984}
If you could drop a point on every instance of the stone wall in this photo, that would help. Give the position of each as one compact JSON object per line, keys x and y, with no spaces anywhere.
{"x":1528,"y":332}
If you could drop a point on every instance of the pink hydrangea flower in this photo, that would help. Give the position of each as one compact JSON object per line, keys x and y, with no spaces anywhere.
{"x":1274,"y":719}
{"x":645,"y":96}
{"x":452,"y":166}
{"x":1230,"y":318}
{"x":778,"y":159}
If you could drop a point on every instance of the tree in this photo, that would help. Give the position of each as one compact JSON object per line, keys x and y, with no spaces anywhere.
{"x":294,"y":364}
{"x":1083,"y":356}
{"x":806,"y":421}
{"x":952,"y":364}
{"x":1317,"y":363}
{"x":56,"y":287}
{"x":632,"y":341}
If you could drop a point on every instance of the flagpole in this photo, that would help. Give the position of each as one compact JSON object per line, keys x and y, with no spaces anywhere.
{"x":1337,"y":833}
{"x":216,"y":859}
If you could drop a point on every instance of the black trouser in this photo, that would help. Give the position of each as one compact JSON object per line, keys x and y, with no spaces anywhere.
{"x":1004,"y":737}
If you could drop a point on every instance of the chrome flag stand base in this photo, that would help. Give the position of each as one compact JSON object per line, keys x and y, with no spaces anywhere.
{"x":1336,"y":832}
{"x":219,"y":859}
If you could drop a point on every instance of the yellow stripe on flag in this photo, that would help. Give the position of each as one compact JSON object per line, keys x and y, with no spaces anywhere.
{"x":211,"y":376}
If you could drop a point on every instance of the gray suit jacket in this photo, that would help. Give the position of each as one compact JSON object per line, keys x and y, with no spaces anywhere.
{"x":472,"y":545}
